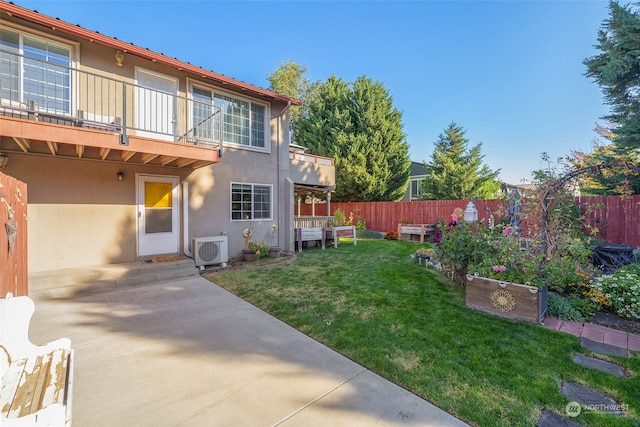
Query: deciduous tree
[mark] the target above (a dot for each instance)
(289, 80)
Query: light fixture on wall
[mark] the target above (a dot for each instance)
(119, 58)
(4, 159)
(120, 176)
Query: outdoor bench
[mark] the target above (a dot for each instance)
(36, 381)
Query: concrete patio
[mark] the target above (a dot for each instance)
(186, 352)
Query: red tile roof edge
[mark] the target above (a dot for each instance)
(59, 25)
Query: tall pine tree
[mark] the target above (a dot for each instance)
(358, 126)
(616, 69)
(455, 173)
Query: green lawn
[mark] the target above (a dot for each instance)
(407, 324)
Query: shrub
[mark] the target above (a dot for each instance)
(361, 224)
(456, 249)
(622, 289)
(585, 306)
(569, 269)
(258, 247)
(339, 218)
(563, 308)
(425, 252)
(391, 235)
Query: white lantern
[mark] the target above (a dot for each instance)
(470, 213)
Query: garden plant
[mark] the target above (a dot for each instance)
(410, 325)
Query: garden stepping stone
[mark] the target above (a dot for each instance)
(603, 348)
(593, 399)
(551, 419)
(600, 365)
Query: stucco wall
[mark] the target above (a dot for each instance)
(79, 213)
(210, 193)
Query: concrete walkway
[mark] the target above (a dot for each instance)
(187, 352)
(596, 333)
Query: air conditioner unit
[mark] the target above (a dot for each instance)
(210, 250)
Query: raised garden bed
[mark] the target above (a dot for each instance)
(414, 232)
(509, 300)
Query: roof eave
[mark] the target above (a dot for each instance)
(59, 25)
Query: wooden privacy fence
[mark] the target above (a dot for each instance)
(617, 219)
(13, 236)
(385, 216)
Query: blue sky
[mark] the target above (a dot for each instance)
(511, 73)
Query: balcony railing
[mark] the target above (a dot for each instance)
(44, 91)
(312, 221)
(311, 158)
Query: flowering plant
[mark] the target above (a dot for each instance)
(455, 246)
(258, 247)
(620, 290)
(391, 235)
(499, 255)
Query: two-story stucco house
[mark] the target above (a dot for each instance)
(128, 153)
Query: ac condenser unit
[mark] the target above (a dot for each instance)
(210, 250)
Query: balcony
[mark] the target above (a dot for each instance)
(48, 109)
(311, 173)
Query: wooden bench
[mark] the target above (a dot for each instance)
(36, 386)
(420, 230)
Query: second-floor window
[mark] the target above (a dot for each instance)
(243, 121)
(250, 201)
(416, 188)
(37, 70)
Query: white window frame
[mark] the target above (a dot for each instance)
(253, 202)
(72, 47)
(418, 179)
(252, 102)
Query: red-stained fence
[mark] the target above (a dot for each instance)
(13, 236)
(617, 219)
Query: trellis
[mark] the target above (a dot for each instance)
(558, 185)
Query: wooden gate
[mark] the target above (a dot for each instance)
(13, 236)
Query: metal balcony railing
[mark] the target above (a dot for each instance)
(40, 90)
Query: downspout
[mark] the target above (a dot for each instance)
(185, 219)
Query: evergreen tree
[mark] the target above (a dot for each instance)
(455, 173)
(358, 126)
(616, 69)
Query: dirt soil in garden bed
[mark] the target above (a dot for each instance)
(612, 320)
